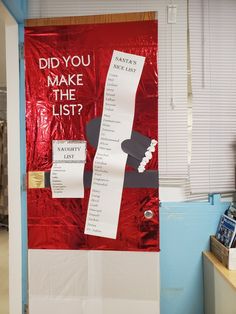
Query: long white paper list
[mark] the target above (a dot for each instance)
(109, 163)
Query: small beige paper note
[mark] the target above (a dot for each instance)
(36, 179)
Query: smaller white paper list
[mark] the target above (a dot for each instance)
(68, 169)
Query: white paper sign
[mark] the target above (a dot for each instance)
(68, 169)
(69, 151)
(109, 163)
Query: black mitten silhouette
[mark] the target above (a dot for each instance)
(139, 148)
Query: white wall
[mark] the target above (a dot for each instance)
(14, 191)
(2, 53)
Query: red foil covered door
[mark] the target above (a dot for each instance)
(78, 57)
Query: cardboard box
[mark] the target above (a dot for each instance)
(226, 256)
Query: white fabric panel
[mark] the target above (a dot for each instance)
(213, 65)
(88, 282)
(172, 68)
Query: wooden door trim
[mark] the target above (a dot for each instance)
(92, 19)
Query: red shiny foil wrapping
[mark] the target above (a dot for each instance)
(59, 223)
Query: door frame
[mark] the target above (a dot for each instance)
(14, 162)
